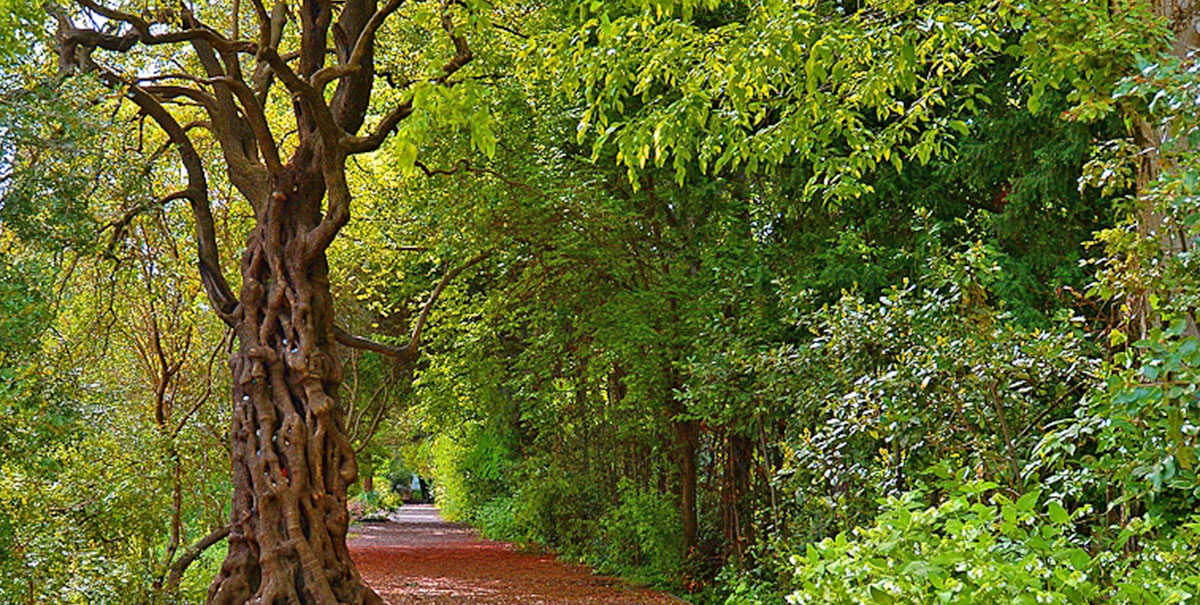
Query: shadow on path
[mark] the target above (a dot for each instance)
(417, 557)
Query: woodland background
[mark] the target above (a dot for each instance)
(821, 300)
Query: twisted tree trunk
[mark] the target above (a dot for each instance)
(292, 461)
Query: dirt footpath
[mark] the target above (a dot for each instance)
(420, 558)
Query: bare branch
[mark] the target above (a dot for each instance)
(462, 56)
(203, 398)
(512, 30)
(414, 340)
(119, 224)
(192, 553)
(462, 52)
(365, 439)
(410, 350)
(463, 164)
(365, 42)
(141, 33)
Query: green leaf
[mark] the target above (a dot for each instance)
(1079, 558)
(1117, 338)
(1028, 501)
(406, 156)
(1058, 514)
(879, 596)
(1035, 100)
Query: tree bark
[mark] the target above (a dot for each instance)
(688, 434)
(1181, 17)
(292, 461)
(739, 462)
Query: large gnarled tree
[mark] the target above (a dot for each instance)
(292, 462)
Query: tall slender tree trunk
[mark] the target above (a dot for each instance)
(739, 462)
(292, 461)
(1182, 18)
(688, 435)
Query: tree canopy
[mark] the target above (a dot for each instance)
(806, 301)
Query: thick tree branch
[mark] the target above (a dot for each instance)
(309, 96)
(258, 121)
(163, 92)
(74, 54)
(315, 18)
(236, 138)
(337, 197)
(347, 339)
(192, 553)
(383, 130)
(219, 292)
(141, 33)
(271, 35)
(264, 23)
(362, 46)
(462, 56)
(250, 108)
(410, 350)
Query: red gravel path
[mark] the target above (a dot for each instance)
(419, 558)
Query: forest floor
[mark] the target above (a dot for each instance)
(417, 557)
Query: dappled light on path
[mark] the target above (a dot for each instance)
(417, 557)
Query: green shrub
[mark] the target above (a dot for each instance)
(976, 549)
(640, 537)
(890, 387)
(471, 468)
(454, 495)
(1166, 570)
(556, 512)
(964, 550)
(496, 521)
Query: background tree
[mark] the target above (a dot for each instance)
(292, 461)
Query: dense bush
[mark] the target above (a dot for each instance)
(888, 388)
(639, 538)
(978, 546)
(497, 521)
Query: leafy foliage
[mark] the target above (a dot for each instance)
(973, 548)
(817, 301)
